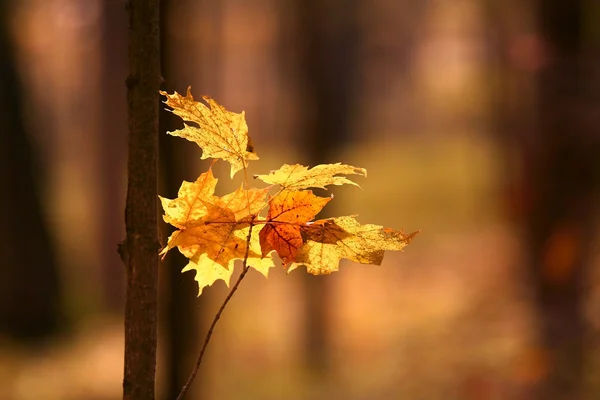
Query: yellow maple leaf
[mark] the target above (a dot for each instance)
(296, 177)
(214, 225)
(217, 234)
(209, 271)
(244, 202)
(188, 205)
(213, 231)
(288, 211)
(330, 240)
(220, 133)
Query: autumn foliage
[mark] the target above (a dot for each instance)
(251, 223)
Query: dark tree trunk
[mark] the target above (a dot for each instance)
(180, 306)
(30, 294)
(140, 248)
(562, 176)
(328, 76)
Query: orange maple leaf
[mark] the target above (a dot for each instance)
(288, 212)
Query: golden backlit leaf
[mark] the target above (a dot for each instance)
(245, 202)
(189, 211)
(330, 240)
(217, 234)
(221, 231)
(288, 211)
(296, 177)
(213, 231)
(209, 271)
(188, 205)
(220, 133)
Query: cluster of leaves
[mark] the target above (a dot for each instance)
(213, 231)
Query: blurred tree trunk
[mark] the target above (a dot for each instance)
(179, 292)
(30, 292)
(328, 76)
(562, 174)
(554, 194)
(187, 60)
(180, 305)
(113, 142)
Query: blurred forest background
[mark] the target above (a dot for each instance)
(479, 124)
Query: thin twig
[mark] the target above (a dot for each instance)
(245, 268)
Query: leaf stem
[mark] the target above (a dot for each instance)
(245, 268)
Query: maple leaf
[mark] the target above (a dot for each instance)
(288, 211)
(214, 225)
(217, 234)
(330, 240)
(220, 133)
(209, 271)
(245, 202)
(296, 177)
(213, 231)
(188, 205)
